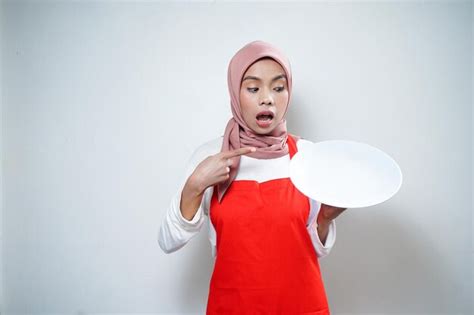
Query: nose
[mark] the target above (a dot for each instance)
(266, 99)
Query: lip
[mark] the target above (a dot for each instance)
(266, 112)
(265, 124)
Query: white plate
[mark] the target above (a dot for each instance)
(345, 174)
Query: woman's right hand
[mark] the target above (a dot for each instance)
(215, 169)
(212, 170)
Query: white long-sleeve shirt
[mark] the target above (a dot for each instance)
(176, 231)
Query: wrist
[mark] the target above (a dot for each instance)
(324, 223)
(194, 186)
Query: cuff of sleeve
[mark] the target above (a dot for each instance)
(192, 224)
(323, 250)
(331, 238)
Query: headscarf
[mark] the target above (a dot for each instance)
(237, 134)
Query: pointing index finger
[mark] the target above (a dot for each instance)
(240, 151)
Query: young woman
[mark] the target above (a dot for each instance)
(266, 235)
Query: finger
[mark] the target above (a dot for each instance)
(240, 151)
(227, 169)
(221, 179)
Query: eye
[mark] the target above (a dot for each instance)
(279, 88)
(252, 90)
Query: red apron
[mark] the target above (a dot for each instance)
(266, 262)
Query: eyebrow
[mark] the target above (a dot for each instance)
(251, 77)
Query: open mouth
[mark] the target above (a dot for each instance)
(265, 116)
(264, 119)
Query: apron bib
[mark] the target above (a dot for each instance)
(266, 262)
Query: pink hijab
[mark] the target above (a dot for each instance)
(237, 134)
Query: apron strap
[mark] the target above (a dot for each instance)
(292, 145)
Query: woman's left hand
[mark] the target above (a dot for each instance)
(328, 213)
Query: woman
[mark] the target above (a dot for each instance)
(265, 234)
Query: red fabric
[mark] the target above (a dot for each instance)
(266, 262)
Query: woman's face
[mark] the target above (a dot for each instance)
(263, 95)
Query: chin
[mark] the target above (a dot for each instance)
(265, 131)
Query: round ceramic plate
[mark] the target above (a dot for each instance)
(345, 174)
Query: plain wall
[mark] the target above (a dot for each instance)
(1, 159)
(103, 103)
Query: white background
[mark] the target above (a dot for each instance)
(103, 103)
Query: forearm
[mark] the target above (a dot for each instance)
(191, 197)
(323, 229)
(176, 230)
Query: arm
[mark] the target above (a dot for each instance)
(191, 198)
(323, 227)
(176, 230)
(323, 230)
(185, 214)
(322, 233)
(327, 214)
(184, 217)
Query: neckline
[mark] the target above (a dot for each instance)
(251, 183)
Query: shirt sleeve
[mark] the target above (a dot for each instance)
(175, 230)
(321, 249)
